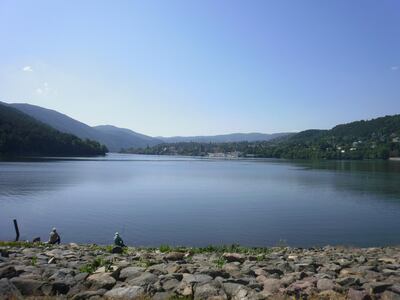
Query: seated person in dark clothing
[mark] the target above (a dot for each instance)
(118, 240)
(54, 237)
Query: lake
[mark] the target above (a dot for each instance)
(154, 200)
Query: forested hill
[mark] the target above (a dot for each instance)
(21, 134)
(373, 139)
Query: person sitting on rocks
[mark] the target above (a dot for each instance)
(118, 240)
(54, 237)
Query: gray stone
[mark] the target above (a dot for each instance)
(8, 272)
(125, 293)
(232, 257)
(89, 294)
(173, 256)
(354, 294)
(209, 291)
(28, 287)
(325, 284)
(131, 272)
(143, 279)
(389, 295)
(196, 278)
(236, 291)
(101, 281)
(8, 291)
(170, 284)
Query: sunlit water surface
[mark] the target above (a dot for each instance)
(153, 200)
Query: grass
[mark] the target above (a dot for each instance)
(22, 244)
(259, 252)
(95, 264)
(220, 262)
(34, 261)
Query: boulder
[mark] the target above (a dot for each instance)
(8, 291)
(125, 293)
(354, 294)
(271, 285)
(325, 284)
(196, 278)
(174, 256)
(232, 257)
(28, 287)
(143, 279)
(130, 273)
(101, 281)
(389, 295)
(117, 250)
(210, 290)
(8, 272)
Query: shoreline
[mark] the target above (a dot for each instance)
(72, 271)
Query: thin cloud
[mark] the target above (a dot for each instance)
(27, 69)
(43, 90)
(395, 68)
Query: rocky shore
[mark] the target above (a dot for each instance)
(39, 271)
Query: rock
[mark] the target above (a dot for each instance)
(113, 271)
(209, 291)
(4, 253)
(131, 272)
(347, 281)
(329, 295)
(27, 287)
(117, 250)
(8, 291)
(173, 256)
(143, 279)
(8, 272)
(232, 257)
(89, 294)
(55, 288)
(170, 284)
(389, 295)
(163, 296)
(354, 294)
(196, 278)
(36, 239)
(387, 260)
(101, 281)
(378, 287)
(395, 288)
(125, 293)
(236, 291)
(325, 285)
(184, 289)
(271, 285)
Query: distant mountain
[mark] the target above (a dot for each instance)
(113, 137)
(225, 138)
(20, 134)
(125, 138)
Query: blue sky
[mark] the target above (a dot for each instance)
(204, 67)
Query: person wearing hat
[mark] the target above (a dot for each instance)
(118, 240)
(54, 237)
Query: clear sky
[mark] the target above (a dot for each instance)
(203, 67)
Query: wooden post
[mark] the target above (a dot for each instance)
(16, 230)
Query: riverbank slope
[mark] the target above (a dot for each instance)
(93, 272)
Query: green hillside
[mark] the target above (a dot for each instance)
(20, 134)
(374, 139)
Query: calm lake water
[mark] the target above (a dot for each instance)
(154, 200)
